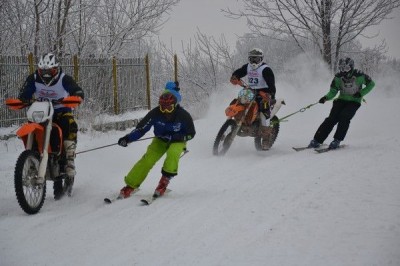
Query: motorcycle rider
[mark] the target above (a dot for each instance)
(50, 82)
(261, 78)
(352, 85)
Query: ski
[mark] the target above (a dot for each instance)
(118, 197)
(326, 149)
(149, 200)
(307, 148)
(301, 148)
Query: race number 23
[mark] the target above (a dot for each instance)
(253, 80)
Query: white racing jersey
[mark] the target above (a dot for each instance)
(53, 92)
(255, 78)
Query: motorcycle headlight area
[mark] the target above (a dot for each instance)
(38, 116)
(246, 96)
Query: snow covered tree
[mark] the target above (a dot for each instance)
(84, 27)
(327, 24)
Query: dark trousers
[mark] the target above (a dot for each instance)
(341, 114)
(68, 125)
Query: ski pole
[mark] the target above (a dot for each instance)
(105, 146)
(184, 152)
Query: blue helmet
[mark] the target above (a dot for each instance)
(173, 87)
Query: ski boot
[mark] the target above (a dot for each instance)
(334, 144)
(162, 186)
(126, 192)
(314, 144)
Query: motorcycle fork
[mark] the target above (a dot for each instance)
(45, 152)
(241, 121)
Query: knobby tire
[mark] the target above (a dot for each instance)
(30, 198)
(223, 141)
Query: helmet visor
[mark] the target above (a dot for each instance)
(167, 108)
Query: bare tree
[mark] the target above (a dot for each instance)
(327, 24)
(15, 18)
(111, 27)
(118, 23)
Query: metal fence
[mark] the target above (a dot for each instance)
(111, 86)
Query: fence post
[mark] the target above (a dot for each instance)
(115, 85)
(76, 68)
(176, 67)
(30, 62)
(146, 59)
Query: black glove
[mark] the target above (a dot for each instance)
(357, 94)
(123, 141)
(178, 137)
(322, 100)
(26, 101)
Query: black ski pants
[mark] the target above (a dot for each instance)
(341, 114)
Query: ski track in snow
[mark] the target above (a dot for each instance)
(279, 207)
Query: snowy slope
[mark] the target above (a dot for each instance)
(279, 207)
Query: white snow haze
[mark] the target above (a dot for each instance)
(189, 16)
(278, 207)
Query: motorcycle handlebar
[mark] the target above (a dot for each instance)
(70, 101)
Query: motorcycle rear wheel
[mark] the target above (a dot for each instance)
(274, 134)
(30, 193)
(224, 139)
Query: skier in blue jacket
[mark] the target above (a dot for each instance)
(173, 127)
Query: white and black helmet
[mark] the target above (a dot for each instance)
(48, 67)
(256, 56)
(346, 65)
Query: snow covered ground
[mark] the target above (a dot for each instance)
(279, 207)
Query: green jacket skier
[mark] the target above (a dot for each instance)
(352, 85)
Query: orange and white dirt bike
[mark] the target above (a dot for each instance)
(245, 120)
(44, 157)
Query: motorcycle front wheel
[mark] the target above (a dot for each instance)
(30, 192)
(224, 138)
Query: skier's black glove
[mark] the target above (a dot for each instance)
(123, 141)
(322, 100)
(357, 94)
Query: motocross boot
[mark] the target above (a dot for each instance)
(70, 147)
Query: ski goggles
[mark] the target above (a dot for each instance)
(255, 59)
(167, 109)
(344, 68)
(49, 72)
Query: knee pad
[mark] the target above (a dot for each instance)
(68, 126)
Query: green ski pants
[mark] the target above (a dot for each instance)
(155, 151)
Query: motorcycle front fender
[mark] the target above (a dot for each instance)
(32, 128)
(28, 128)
